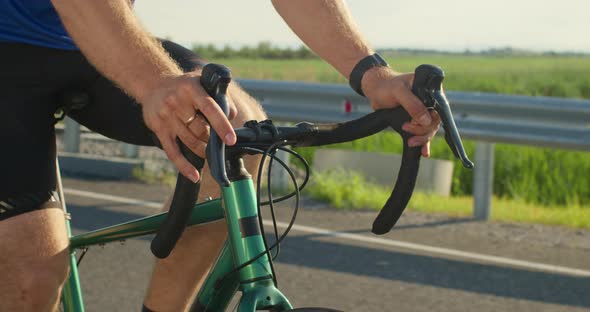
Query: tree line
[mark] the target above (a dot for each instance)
(264, 50)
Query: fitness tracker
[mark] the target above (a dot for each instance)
(361, 67)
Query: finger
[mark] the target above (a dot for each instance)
(435, 118)
(186, 136)
(204, 137)
(180, 106)
(201, 149)
(217, 120)
(173, 153)
(418, 140)
(415, 128)
(414, 106)
(200, 128)
(211, 110)
(426, 149)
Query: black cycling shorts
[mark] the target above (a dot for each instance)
(31, 81)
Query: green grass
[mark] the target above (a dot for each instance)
(349, 190)
(162, 177)
(564, 76)
(543, 176)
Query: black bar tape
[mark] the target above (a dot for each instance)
(183, 200)
(366, 126)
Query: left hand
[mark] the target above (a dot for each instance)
(387, 89)
(169, 110)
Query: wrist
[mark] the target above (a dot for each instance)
(155, 70)
(373, 78)
(364, 65)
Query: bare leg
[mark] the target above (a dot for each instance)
(34, 249)
(177, 279)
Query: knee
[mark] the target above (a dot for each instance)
(248, 107)
(39, 287)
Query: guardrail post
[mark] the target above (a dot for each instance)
(280, 178)
(483, 178)
(130, 150)
(71, 136)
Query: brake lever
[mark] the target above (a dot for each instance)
(215, 79)
(428, 88)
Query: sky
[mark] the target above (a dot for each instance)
(453, 25)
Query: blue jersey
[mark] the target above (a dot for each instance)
(34, 22)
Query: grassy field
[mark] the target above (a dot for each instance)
(526, 75)
(350, 190)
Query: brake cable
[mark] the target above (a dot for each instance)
(296, 193)
(269, 151)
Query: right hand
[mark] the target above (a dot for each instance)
(167, 109)
(388, 89)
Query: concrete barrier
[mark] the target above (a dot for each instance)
(97, 166)
(435, 175)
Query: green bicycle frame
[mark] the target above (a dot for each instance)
(245, 242)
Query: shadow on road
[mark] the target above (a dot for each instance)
(89, 217)
(438, 272)
(487, 279)
(432, 224)
(404, 226)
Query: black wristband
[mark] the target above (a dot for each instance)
(368, 62)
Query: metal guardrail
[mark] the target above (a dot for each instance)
(484, 117)
(537, 121)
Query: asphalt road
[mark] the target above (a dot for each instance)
(428, 263)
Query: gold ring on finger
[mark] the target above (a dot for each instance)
(191, 119)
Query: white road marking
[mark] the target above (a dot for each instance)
(367, 239)
(113, 198)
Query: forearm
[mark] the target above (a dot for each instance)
(112, 39)
(327, 27)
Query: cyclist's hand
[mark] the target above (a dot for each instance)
(170, 112)
(387, 89)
